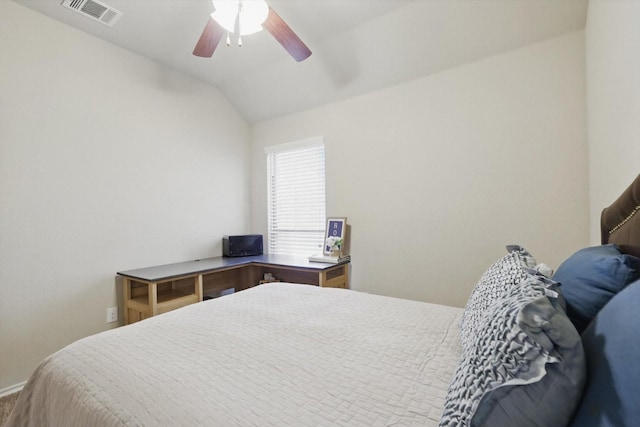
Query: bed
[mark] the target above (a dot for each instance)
(531, 347)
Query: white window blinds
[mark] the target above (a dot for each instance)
(296, 197)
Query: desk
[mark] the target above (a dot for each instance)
(155, 290)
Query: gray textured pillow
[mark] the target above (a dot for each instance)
(524, 366)
(507, 272)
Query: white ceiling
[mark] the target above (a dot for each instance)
(358, 45)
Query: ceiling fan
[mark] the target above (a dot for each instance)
(245, 17)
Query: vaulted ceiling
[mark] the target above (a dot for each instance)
(358, 46)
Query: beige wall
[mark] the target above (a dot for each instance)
(108, 162)
(437, 175)
(613, 101)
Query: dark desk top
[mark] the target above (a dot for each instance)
(164, 272)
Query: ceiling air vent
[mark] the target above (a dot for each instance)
(95, 10)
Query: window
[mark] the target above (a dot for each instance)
(296, 197)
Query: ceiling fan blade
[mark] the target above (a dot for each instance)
(209, 39)
(286, 37)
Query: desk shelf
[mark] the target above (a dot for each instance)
(167, 300)
(144, 299)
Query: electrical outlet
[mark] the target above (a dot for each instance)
(112, 314)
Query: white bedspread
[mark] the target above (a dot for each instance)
(274, 355)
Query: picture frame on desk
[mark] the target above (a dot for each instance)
(336, 229)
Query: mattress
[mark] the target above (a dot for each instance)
(274, 355)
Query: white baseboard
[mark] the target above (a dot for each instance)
(13, 389)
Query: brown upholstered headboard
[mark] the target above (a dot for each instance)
(620, 222)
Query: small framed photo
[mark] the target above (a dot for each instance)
(334, 235)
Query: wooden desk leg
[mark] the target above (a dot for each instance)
(153, 298)
(126, 282)
(198, 286)
(322, 279)
(346, 276)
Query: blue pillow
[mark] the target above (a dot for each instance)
(612, 349)
(523, 355)
(591, 277)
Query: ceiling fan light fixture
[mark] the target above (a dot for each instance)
(247, 17)
(250, 15)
